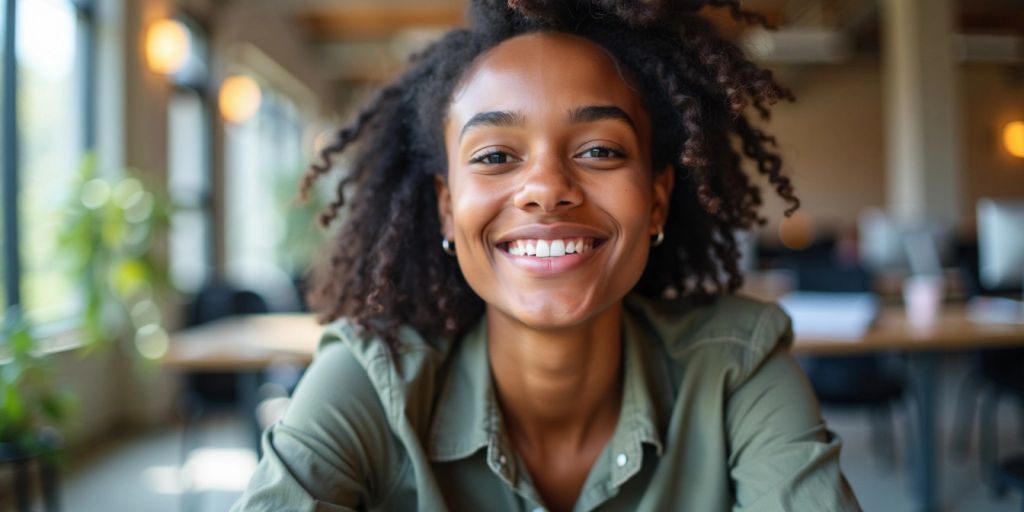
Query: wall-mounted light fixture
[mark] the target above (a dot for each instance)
(168, 45)
(239, 98)
(1013, 138)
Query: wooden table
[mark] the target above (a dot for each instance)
(953, 331)
(245, 346)
(241, 343)
(252, 343)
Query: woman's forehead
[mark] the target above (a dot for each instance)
(544, 73)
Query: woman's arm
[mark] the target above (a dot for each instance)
(782, 457)
(333, 450)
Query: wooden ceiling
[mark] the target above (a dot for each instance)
(343, 29)
(368, 22)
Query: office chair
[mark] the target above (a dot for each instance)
(995, 374)
(875, 382)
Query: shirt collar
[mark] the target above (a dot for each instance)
(467, 417)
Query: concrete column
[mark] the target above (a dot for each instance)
(922, 111)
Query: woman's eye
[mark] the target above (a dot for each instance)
(493, 158)
(600, 152)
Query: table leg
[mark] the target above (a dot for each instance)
(922, 373)
(249, 386)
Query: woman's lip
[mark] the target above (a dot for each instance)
(556, 231)
(550, 265)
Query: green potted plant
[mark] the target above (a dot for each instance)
(32, 407)
(112, 227)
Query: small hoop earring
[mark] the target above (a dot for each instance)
(660, 238)
(448, 246)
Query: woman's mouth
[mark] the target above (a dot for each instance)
(550, 256)
(555, 248)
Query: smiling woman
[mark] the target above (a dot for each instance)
(523, 198)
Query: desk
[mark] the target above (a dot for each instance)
(251, 343)
(244, 343)
(953, 331)
(245, 346)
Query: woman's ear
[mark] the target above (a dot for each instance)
(663, 183)
(444, 206)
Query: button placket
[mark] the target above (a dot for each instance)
(627, 460)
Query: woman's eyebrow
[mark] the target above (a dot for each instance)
(500, 118)
(592, 113)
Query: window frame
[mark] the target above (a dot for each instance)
(197, 81)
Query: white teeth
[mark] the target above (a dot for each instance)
(550, 248)
(557, 248)
(543, 249)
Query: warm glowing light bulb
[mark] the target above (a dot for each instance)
(167, 46)
(797, 232)
(1013, 138)
(240, 98)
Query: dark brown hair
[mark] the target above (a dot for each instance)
(386, 268)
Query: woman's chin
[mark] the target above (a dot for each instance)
(553, 310)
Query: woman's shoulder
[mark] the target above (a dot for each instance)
(401, 375)
(730, 333)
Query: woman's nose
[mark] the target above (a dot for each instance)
(548, 185)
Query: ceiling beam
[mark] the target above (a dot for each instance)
(362, 23)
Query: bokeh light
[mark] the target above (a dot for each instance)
(239, 98)
(167, 46)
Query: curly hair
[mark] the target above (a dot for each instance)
(696, 86)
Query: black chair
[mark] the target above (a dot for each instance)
(995, 374)
(1010, 473)
(875, 382)
(207, 393)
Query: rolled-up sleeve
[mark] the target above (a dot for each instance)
(782, 457)
(332, 451)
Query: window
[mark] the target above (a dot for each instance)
(270, 238)
(45, 86)
(189, 184)
(189, 167)
(50, 107)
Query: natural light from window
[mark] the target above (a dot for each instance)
(49, 122)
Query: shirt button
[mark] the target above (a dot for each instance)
(621, 460)
(502, 460)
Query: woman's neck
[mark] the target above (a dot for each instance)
(560, 391)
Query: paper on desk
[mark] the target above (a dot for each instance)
(830, 316)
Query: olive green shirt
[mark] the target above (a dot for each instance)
(716, 415)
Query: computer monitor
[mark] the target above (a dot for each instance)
(1001, 243)
(888, 244)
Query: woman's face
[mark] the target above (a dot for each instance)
(550, 197)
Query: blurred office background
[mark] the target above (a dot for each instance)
(151, 154)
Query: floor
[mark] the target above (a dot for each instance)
(140, 473)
